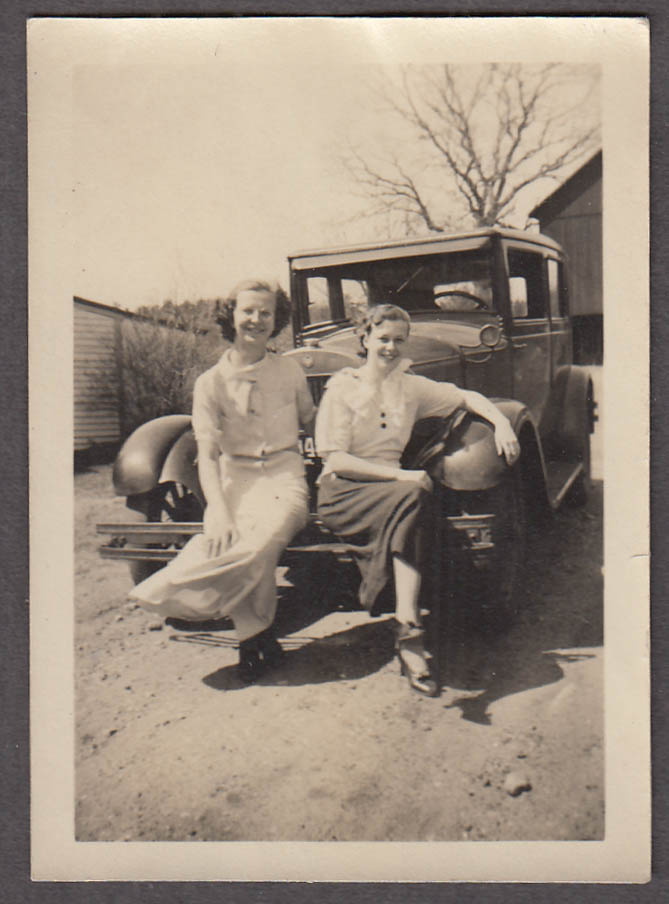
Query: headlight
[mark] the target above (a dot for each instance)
(490, 335)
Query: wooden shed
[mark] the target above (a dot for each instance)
(572, 215)
(97, 396)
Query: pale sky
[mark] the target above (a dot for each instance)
(188, 179)
(190, 174)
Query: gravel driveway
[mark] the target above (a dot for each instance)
(334, 745)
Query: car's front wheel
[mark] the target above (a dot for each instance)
(167, 502)
(486, 572)
(580, 489)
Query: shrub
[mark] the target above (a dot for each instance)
(159, 365)
(162, 352)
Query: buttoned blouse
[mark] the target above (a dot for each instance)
(252, 412)
(375, 423)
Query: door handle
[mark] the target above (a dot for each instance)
(520, 344)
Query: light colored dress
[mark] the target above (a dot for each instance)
(253, 414)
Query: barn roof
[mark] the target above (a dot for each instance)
(102, 308)
(574, 185)
(122, 312)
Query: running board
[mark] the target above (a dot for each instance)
(562, 477)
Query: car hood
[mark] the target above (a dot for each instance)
(429, 340)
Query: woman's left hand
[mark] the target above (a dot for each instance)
(506, 441)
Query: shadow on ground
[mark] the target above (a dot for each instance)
(559, 609)
(343, 656)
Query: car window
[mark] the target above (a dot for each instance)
(356, 298)
(553, 288)
(318, 299)
(526, 285)
(557, 289)
(457, 282)
(463, 295)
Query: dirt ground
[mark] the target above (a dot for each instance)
(333, 745)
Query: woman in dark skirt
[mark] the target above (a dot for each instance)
(364, 422)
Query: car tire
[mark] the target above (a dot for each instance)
(167, 502)
(578, 493)
(487, 592)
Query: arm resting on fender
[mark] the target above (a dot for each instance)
(506, 441)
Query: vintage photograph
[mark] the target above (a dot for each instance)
(337, 455)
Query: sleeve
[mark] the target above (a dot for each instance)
(205, 412)
(436, 399)
(305, 404)
(334, 421)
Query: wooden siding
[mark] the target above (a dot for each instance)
(96, 377)
(572, 215)
(581, 237)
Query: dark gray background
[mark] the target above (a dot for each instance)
(14, 784)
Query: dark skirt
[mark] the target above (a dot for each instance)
(379, 518)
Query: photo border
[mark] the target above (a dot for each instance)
(17, 658)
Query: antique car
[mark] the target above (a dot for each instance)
(489, 312)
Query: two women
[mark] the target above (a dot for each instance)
(364, 422)
(246, 414)
(245, 419)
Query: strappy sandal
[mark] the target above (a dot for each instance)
(410, 637)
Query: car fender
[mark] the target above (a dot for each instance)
(180, 465)
(143, 456)
(461, 454)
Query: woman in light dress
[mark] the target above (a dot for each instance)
(246, 415)
(364, 422)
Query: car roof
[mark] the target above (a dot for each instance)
(429, 244)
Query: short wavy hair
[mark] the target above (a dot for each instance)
(225, 307)
(374, 316)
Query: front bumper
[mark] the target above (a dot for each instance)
(161, 541)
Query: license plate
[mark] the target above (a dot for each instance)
(308, 447)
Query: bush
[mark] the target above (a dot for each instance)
(162, 352)
(159, 365)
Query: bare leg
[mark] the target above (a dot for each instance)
(407, 590)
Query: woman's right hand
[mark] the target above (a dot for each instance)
(220, 532)
(422, 478)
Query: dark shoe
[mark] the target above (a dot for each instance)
(250, 666)
(410, 638)
(269, 647)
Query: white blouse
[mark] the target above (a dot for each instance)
(252, 412)
(375, 423)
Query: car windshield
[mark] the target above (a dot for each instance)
(459, 282)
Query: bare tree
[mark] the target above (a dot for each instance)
(475, 138)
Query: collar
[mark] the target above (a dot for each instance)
(390, 392)
(239, 381)
(402, 367)
(230, 371)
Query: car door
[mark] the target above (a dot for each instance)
(530, 328)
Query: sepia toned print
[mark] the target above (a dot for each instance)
(475, 196)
